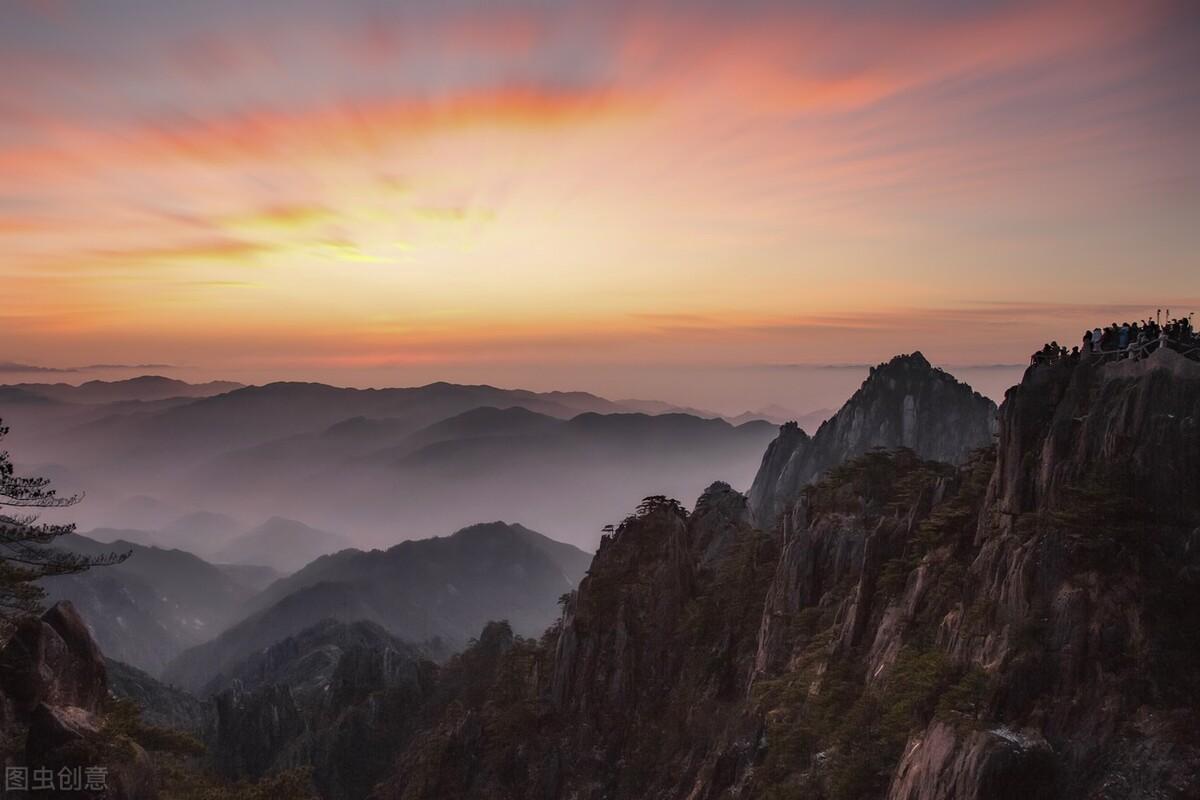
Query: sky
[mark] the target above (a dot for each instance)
(704, 202)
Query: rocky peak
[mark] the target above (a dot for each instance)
(720, 513)
(339, 697)
(1021, 624)
(53, 687)
(785, 468)
(1130, 424)
(1080, 595)
(905, 402)
(624, 611)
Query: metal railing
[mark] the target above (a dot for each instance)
(1190, 349)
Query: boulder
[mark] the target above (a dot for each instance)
(53, 660)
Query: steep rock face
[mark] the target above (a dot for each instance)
(1133, 422)
(839, 534)
(721, 514)
(1023, 624)
(786, 467)
(978, 765)
(53, 660)
(53, 687)
(636, 693)
(1029, 614)
(603, 642)
(905, 402)
(1087, 574)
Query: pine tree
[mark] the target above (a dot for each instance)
(26, 551)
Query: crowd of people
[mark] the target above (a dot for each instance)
(1127, 340)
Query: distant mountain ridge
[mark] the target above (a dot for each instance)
(151, 455)
(498, 462)
(143, 388)
(148, 609)
(445, 587)
(282, 544)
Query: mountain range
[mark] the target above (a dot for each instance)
(928, 597)
(439, 590)
(152, 606)
(389, 463)
(1019, 625)
(280, 544)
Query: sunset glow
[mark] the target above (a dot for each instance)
(342, 189)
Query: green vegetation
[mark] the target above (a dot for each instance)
(887, 481)
(853, 735)
(177, 761)
(966, 699)
(949, 524)
(182, 782)
(734, 598)
(830, 732)
(648, 506)
(1103, 520)
(123, 724)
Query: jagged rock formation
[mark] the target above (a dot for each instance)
(1020, 625)
(341, 698)
(1085, 581)
(53, 686)
(903, 403)
(625, 697)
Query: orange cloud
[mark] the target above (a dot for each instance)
(616, 180)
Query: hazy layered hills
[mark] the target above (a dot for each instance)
(369, 464)
(145, 388)
(571, 476)
(282, 544)
(147, 609)
(444, 588)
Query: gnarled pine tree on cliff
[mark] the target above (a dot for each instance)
(25, 552)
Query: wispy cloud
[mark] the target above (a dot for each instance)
(813, 182)
(11, 366)
(15, 367)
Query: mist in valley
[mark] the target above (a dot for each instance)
(362, 468)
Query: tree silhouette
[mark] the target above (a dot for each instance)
(26, 554)
(656, 501)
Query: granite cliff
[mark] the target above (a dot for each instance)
(923, 621)
(904, 607)
(53, 712)
(904, 402)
